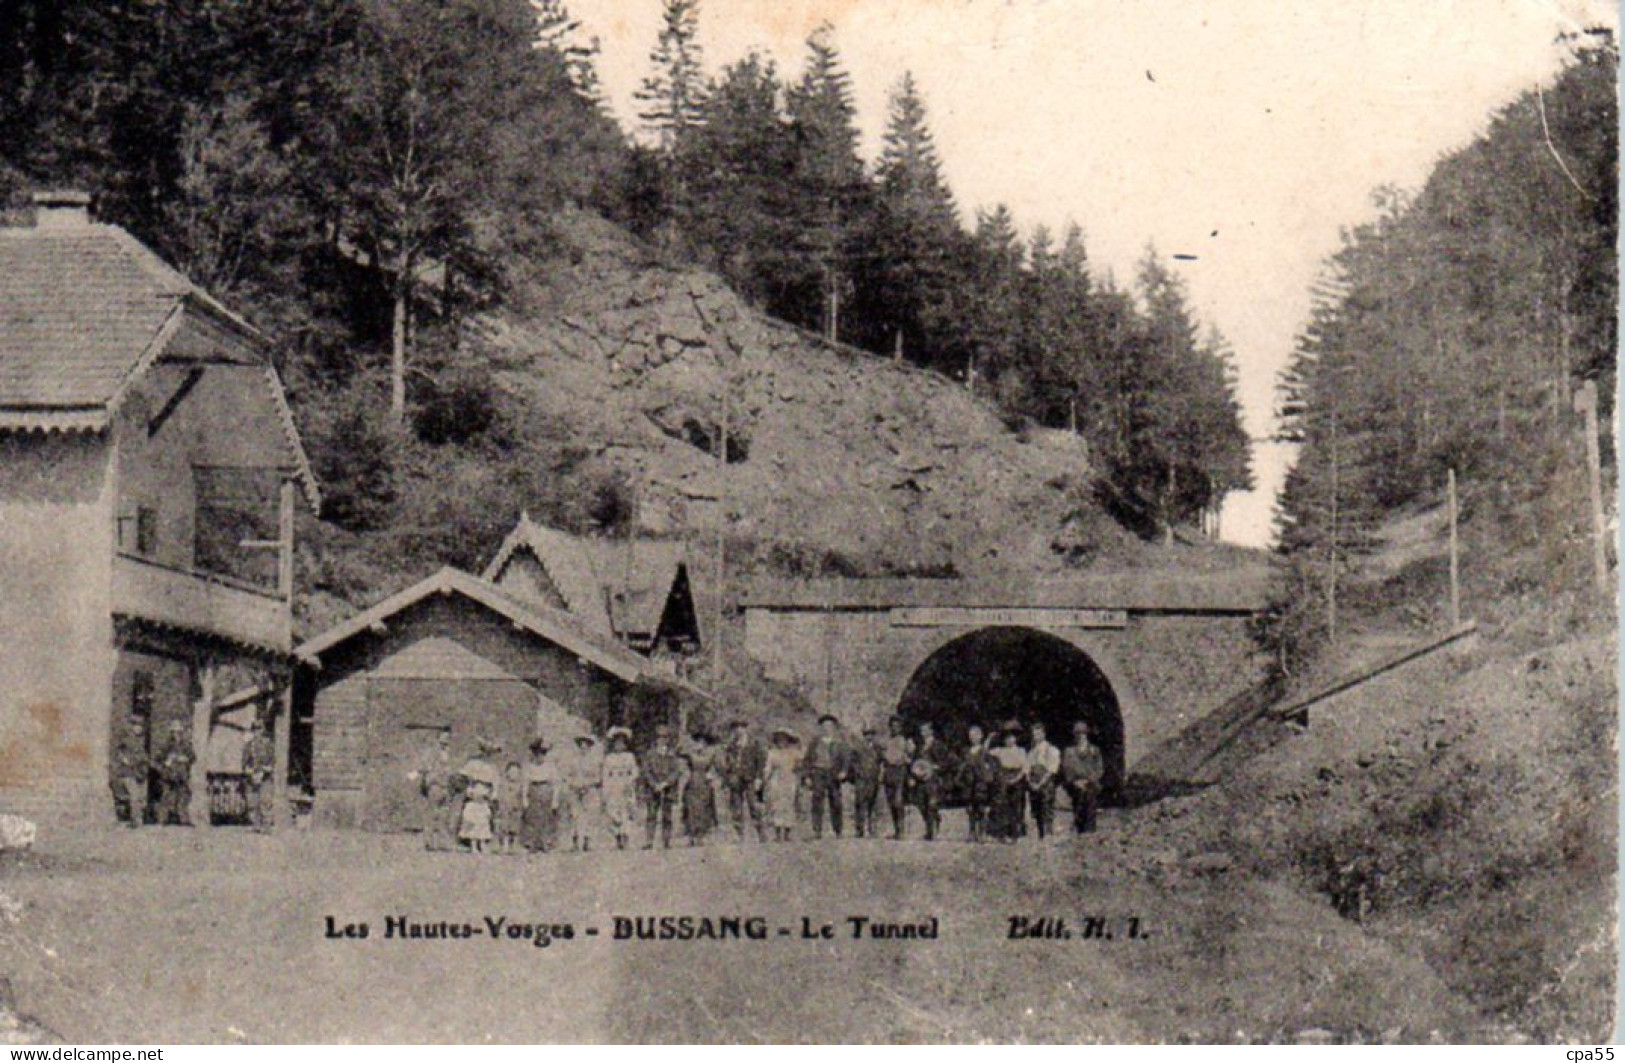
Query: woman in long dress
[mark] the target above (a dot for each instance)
(779, 783)
(620, 782)
(538, 829)
(700, 791)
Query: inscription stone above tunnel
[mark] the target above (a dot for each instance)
(1140, 655)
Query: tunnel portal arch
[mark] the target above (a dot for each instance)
(994, 674)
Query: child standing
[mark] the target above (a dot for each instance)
(475, 828)
(510, 812)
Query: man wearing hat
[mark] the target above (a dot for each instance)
(175, 777)
(1082, 769)
(434, 779)
(895, 754)
(741, 765)
(825, 768)
(978, 775)
(1043, 766)
(130, 772)
(658, 775)
(864, 764)
(259, 762)
(925, 778)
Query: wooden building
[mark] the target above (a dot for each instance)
(638, 590)
(459, 655)
(149, 472)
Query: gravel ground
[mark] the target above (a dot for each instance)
(175, 936)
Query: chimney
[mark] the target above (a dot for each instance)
(59, 209)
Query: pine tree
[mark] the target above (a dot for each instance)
(559, 33)
(673, 94)
(738, 212)
(918, 253)
(829, 174)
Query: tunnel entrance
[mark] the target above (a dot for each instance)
(1002, 673)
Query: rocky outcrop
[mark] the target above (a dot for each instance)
(835, 459)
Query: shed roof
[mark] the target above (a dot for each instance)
(85, 311)
(1243, 591)
(554, 625)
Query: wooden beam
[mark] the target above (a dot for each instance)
(281, 737)
(202, 723)
(174, 401)
(285, 519)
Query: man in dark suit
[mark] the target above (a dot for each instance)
(865, 767)
(659, 771)
(1082, 769)
(741, 764)
(825, 769)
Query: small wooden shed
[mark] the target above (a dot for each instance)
(456, 654)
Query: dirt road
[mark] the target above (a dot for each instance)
(170, 936)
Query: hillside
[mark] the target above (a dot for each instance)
(610, 373)
(1463, 808)
(836, 459)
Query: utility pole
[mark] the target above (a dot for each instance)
(722, 530)
(1585, 403)
(1455, 556)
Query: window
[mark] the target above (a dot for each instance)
(138, 531)
(146, 531)
(141, 696)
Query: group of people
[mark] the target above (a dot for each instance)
(584, 796)
(157, 787)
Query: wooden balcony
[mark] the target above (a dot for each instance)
(201, 603)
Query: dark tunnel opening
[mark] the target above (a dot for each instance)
(998, 674)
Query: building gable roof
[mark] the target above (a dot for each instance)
(618, 585)
(567, 562)
(85, 312)
(553, 625)
(641, 576)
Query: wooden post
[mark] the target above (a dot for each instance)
(722, 530)
(1455, 557)
(897, 347)
(281, 738)
(1585, 402)
(197, 811)
(284, 566)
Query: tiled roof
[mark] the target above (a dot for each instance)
(640, 575)
(79, 307)
(77, 311)
(85, 310)
(634, 577)
(553, 625)
(567, 562)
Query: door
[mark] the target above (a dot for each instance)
(405, 718)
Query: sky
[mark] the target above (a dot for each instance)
(1247, 133)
